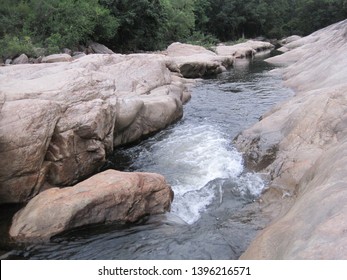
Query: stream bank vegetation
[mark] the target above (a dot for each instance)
(36, 26)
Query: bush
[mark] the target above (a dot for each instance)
(54, 43)
(12, 46)
(206, 40)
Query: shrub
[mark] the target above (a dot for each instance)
(12, 46)
(206, 40)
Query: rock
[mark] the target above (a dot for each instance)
(196, 61)
(77, 55)
(108, 197)
(290, 43)
(8, 61)
(26, 129)
(314, 226)
(67, 51)
(290, 39)
(22, 59)
(56, 58)
(73, 115)
(242, 50)
(301, 145)
(35, 60)
(99, 48)
(83, 137)
(178, 49)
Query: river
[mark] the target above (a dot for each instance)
(211, 217)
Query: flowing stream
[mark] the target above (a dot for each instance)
(210, 217)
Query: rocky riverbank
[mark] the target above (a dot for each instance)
(61, 120)
(301, 145)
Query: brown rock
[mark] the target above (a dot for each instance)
(26, 131)
(61, 120)
(108, 197)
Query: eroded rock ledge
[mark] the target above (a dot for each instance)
(302, 145)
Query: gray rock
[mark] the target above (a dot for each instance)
(77, 55)
(99, 48)
(22, 59)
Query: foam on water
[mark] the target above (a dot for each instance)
(190, 157)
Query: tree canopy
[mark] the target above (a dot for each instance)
(133, 25)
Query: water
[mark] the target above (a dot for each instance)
(211, 216)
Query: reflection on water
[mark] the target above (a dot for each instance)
(211, 217)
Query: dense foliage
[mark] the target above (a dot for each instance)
(128, 25)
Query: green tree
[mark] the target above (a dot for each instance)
(129, 25)
(180, 20)
(313, 15)
(139, 23)
(201, 11)
(53, 24)
(67, 23)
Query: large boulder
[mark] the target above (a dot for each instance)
(108, 197)
(22, 59)
(60, 121)
(301, 145)
(196, 61)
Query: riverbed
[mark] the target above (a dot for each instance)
(211, 217)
